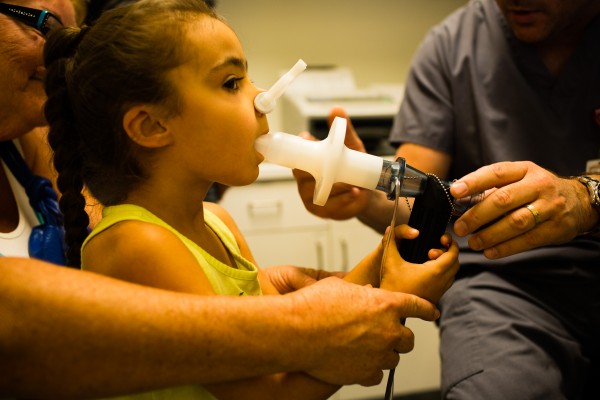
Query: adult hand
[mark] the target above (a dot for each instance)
(345, 201)
(357, 328)
(559, 208)
(288, 278)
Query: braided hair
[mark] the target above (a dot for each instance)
(94, 75)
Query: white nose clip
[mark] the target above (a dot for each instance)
(328, 161)
(265, 102)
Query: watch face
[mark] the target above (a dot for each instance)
(593, 187)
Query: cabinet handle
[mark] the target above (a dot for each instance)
(345, 257)
(265, 208)
(320, 257)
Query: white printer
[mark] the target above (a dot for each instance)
(308, 101)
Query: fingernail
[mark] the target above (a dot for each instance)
(476, 243)
(492, 253)
(459, 189)
(460, 228)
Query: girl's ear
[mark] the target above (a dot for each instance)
(145, 127)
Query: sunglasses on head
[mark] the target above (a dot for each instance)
(41, 20)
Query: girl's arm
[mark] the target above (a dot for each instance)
(368, 270)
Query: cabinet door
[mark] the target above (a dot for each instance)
(270, 207)
(307, 248)
(351, 241)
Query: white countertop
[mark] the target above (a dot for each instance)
(273, 172)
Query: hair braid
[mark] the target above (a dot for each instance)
(65, 141)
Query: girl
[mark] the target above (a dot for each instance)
(147, 109)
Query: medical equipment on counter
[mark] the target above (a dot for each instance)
(307, 103)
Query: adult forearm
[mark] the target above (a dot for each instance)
(70, 333)
(67, 333)
(378, 213)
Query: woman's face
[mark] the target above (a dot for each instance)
(22, 72)
(218, 125)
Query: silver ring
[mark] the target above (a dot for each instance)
(534, 211)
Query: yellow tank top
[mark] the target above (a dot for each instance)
(224, 279)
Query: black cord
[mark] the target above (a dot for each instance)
(389, 387)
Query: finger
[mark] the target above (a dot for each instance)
(491, 209)
(404, 231)
(376, 377)
(351, 140)
(337, 112)
(406, 342)
(308, 136)
(302, 176)
(342, 205)
(451, 254)
(542, 235)
(411, 306)
(488, 177)
(446, 240)
(433, 254)
(511, 226)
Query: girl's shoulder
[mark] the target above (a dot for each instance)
(145, 253)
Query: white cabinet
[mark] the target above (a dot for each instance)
(280, 231)
(277, 234)
(351, 242)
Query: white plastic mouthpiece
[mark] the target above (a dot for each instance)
(265, 102)
(328, 161)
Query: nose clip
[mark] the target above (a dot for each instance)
(265, 102)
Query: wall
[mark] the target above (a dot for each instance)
(375, 38)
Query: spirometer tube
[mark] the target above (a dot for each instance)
(330, 161)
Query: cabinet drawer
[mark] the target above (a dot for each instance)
(307, 248)
(267, 206)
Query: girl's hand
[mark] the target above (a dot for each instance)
(429, 280)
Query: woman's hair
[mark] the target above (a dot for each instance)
(94, 75)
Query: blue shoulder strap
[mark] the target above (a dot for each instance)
(47, 240)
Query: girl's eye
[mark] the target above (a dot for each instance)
(233, 83)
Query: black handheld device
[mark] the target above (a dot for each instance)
(430, 215)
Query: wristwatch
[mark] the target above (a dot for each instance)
(593, 187)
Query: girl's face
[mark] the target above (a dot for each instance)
(218, 125)
(22, 70)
